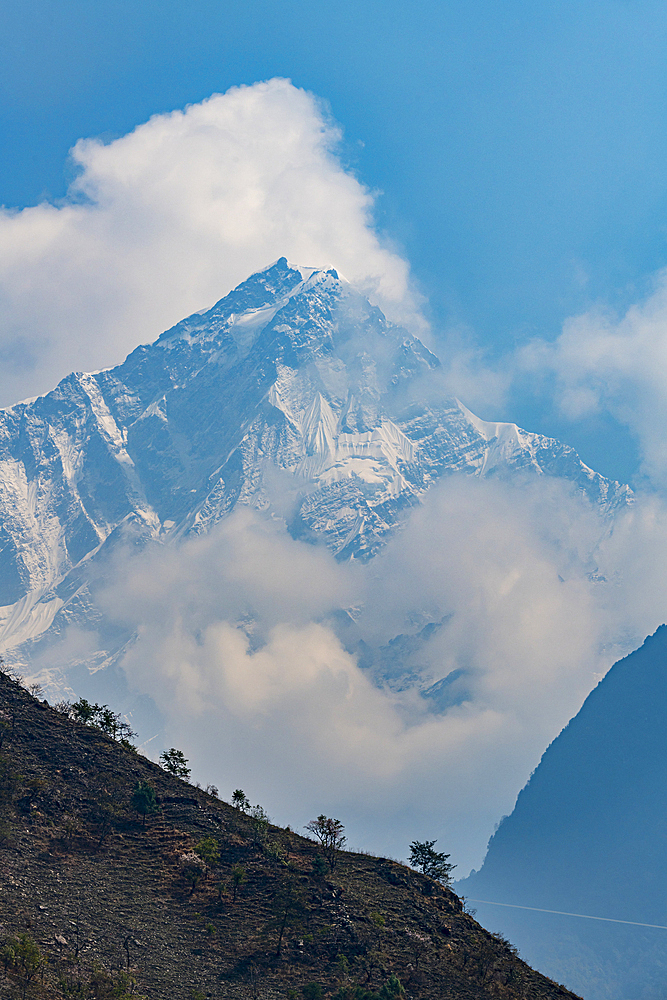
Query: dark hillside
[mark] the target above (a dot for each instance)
(113, 907)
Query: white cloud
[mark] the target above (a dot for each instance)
(615, 364)
(238, 646)
(164, 221)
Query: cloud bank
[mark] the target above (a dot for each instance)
(241, 645)
(166, 220)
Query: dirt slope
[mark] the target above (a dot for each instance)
(111, 907)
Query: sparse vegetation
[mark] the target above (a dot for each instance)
(108, 806)
(259, 825)
(208, 899)
(288, 908)
(391, 990)
(102, 986)
(10, 780)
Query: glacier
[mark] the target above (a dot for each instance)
(292, 394)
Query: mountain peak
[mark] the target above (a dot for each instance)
(283, 265)
(294, 370)
(250, 306)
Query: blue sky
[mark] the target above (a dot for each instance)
(501, 179)
(520, 148)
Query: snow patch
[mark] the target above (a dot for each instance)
(26, 619)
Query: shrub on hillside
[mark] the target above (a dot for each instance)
(391, 990)
(193, 868)
(208, 849)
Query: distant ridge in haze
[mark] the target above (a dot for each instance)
(588, 835)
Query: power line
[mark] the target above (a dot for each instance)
(563, 913)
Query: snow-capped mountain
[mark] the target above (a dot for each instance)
(292, 393)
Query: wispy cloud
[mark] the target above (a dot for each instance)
(618, 364)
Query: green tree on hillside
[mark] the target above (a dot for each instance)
(331, 835)
(313, 991)
(240, 800)
(430, 862)
(143, 800)
(208, 850)
(287, 908)
(99, 717)
(238, 879)
(22, 956)
(175, 762)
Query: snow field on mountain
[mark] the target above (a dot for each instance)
(272, 536)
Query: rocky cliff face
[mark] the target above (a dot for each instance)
(292, 394)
